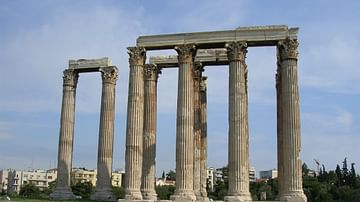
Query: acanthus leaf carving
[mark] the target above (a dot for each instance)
(109, 74)
(151, 72)
(70, 77)
(186, 52)
(236, 50)
(288, 49)
(137, 55)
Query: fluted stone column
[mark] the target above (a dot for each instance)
(197, 130)
(203, 140)
(149, 140)
(103, 191)
(65, 148)
(185, 126)
(279, 134)
(290, 125)
(134, 126)
(238, 124)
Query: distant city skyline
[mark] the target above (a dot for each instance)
(38, 39)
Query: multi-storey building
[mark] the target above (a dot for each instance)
(210, 178)
(39, 178)
(252, 174)
(84, 175)
(268, 174)
(3, 180)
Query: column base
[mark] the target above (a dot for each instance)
(183, 196)
(240, 198)
(133, 195)
(62, 193)
(103, 195)
(202, 199)
(129, 200)
(149, 195)
(294, 196)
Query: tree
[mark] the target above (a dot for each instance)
(171, 175)
(163, 175)
(83, 189)
(345, 173)
(164, 192)
(352, 176)
(118, 192)
(30, 191)
(305, 169)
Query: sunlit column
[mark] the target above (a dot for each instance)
(135, 123)
(185, 126)
(103, 191)
(65, 148)
(238, 124)
(290, 122)
(149, 140)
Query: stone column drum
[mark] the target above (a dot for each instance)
(135, 123)
(238, 125)
(65, 148)
(203, 139)
(290, 125)
(197, 130)
(103, 191)
(279, 128)
(149, 140)
(185, 126)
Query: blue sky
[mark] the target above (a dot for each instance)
(39, 37)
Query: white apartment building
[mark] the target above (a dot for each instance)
(269, 174)
(85, 175)
(3, 180)
(39, 178)
(210, 178)
(252, 174)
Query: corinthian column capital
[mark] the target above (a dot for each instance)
(288, 49)
(151, 72)
(109, 74)
(236, 50)
(70, 77)
(186, 52)
(137, 55)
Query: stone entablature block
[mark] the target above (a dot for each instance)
(84, 64)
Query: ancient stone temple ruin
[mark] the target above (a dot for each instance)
(195, 51)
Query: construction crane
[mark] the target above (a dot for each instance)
(317, 161)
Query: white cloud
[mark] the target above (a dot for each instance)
(331, 65)
(36, 58)
(331, 121)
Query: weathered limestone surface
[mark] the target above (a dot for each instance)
(197, 129)
(89, 64)
(206, 57)
(135, 123)
(238, 125)
(290, 125)
(149, 139)
(280, 158)
(203, 140)
(185, 126)
(254, 36)
(62, 190)
(103, 191)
